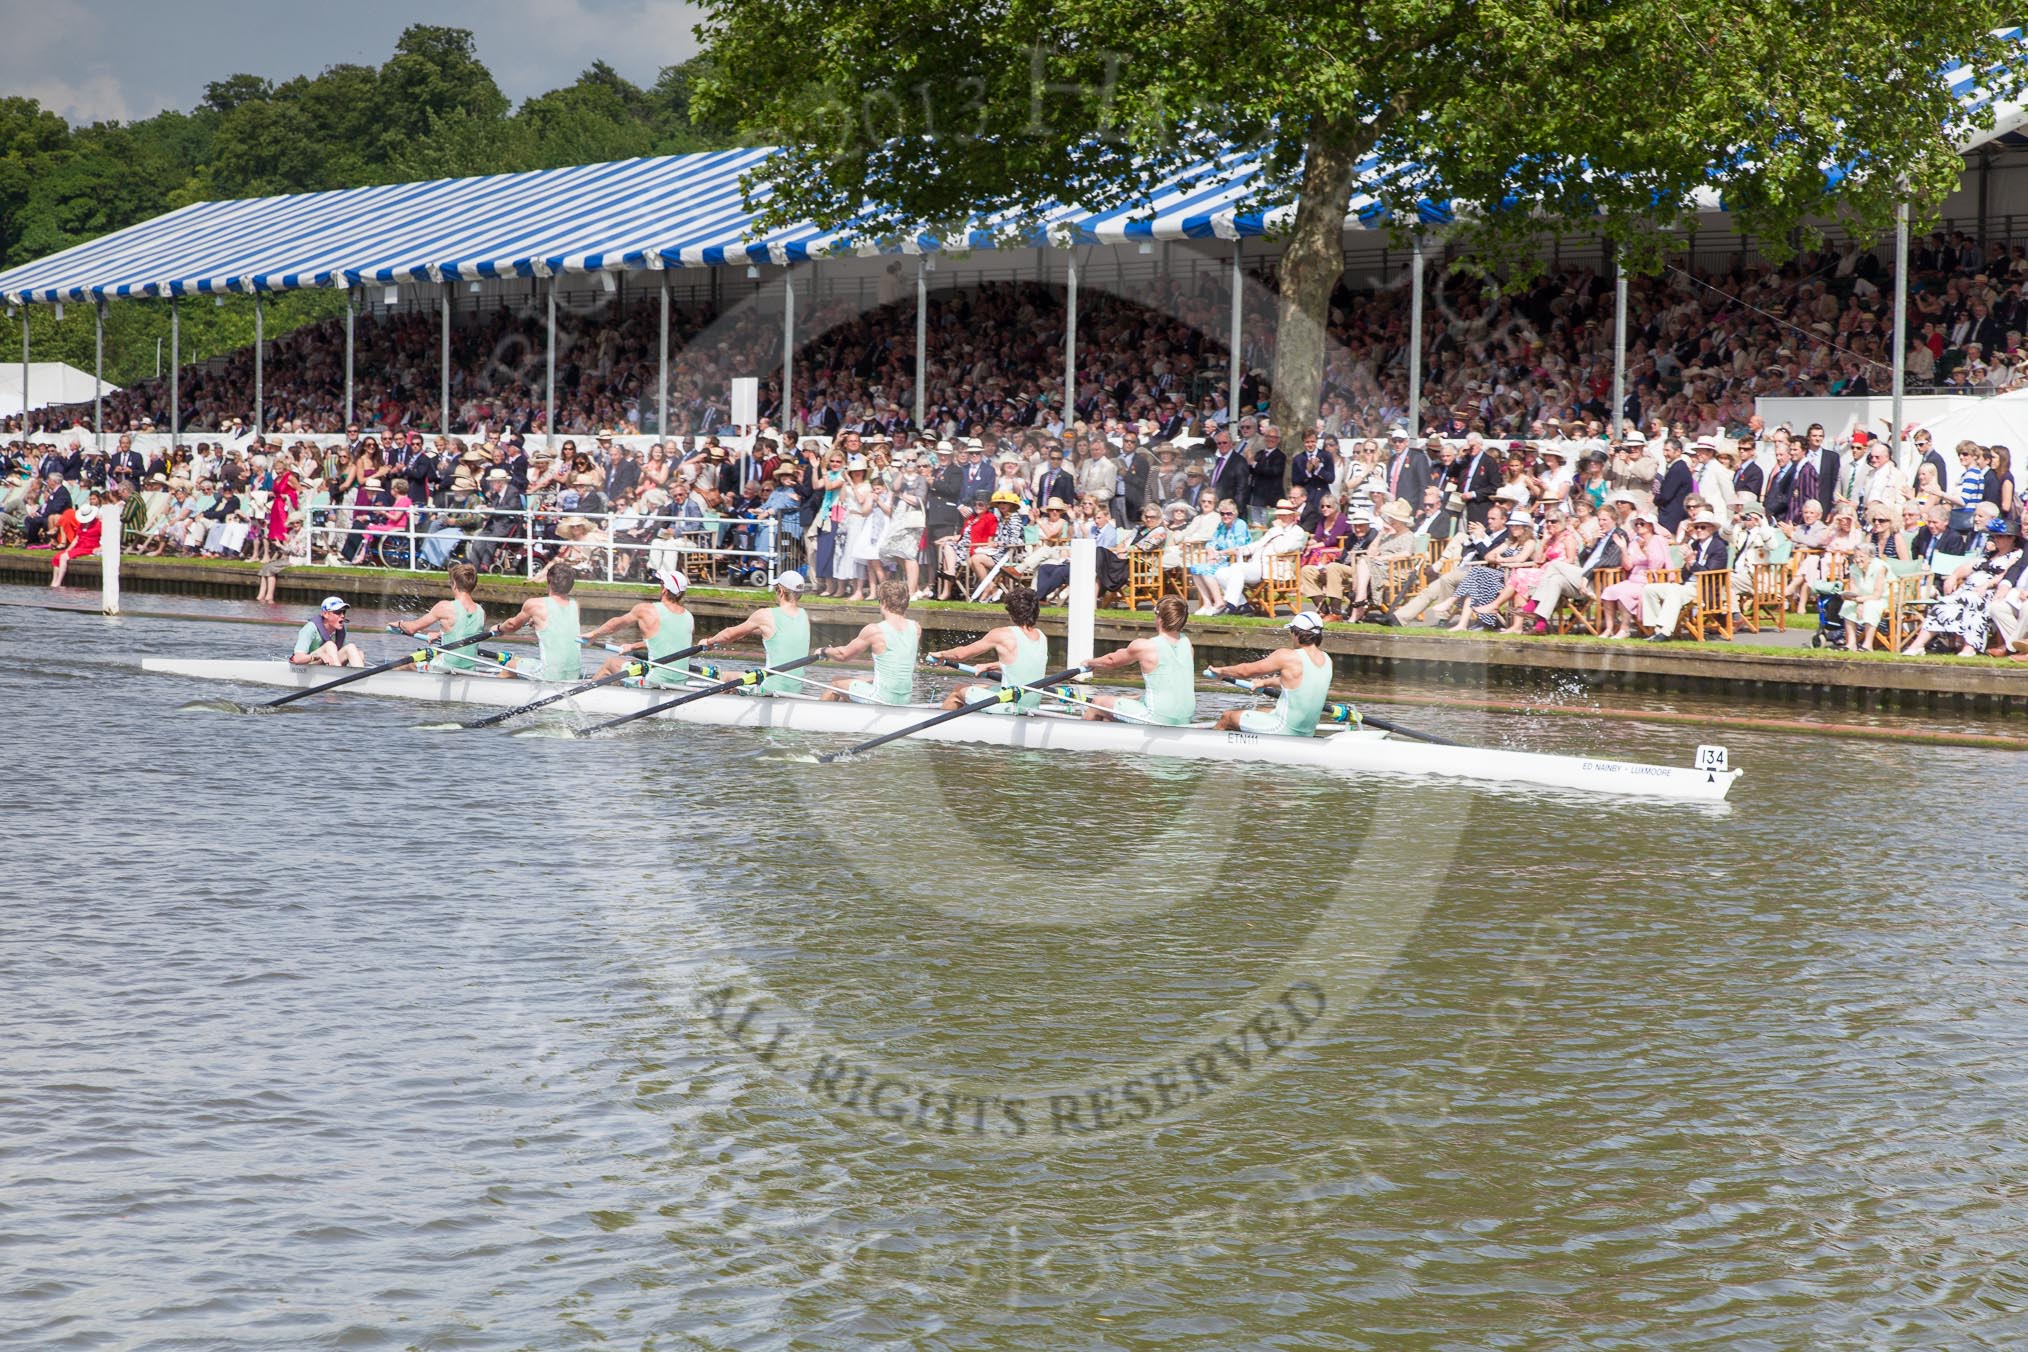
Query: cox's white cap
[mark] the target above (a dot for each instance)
(334, 603)
(672, 581)
(791, 581)
(1306, 623)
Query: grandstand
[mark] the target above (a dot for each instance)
(602, 260)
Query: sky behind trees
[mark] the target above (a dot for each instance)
(92, 60)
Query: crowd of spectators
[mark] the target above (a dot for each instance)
(1501, 533)
(1524, 361)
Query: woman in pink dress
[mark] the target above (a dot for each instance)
(1563, 543)
(282, 500)
(1650, 554)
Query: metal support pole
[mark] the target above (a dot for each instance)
(1414, 419)
(444, 362)
(99, 375)
(1900, 354)
(260, 332)
(350, 307)
(109, 557)
(1070, 340)
(788, 351)
(921, 341)
(1619, 405)
(1232, 344)
(549, 396)
(175, 371)
(662, 366)
(24, 367)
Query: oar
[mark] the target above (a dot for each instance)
(1349, 714)
(416, 658)
(745, 678)
(634, 668)
(1006, 694)
(1079, 699)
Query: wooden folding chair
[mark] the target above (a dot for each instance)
(1708, 614)
(1403, 578)
(1144, 578)
(1587, 614)
(1278, 586)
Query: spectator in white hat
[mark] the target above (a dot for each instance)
(1662, 602)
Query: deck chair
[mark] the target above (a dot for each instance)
(1144, 578)
(1278, 586)
(1709, 611)
(1587, 614)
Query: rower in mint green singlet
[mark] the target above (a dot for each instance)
(893, 640)
(1304, 674)
(562, 654)
(894, 667)
(665, 627)
(465, 624)
(455, 618)
(557, 635)
(1020, 649)
(673, 635)
(1029, 664)
(783, 629)
(789, 641)
(1168, 670)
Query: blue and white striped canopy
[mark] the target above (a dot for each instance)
(678, 211)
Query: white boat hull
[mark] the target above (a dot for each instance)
(1360, 751)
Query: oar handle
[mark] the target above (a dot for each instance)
(1346, 713)
(631, 669)
(745, 678)
(1006, 694)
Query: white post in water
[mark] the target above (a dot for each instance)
(921, 341)
(1413, 420)
(788, 352)
(1070, 337)
(1618, 411)
(1083, 619)
(1232, 343)
(109, 558)
(1899, 369)
(99, 376)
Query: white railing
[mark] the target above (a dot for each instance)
(422, 539)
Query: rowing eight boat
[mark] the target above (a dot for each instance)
(1359, 751)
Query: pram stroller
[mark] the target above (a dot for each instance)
(1830, 616)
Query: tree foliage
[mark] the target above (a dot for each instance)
(433, 109)
(1603, 116)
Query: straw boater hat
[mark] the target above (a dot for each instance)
(1399, 511)
(1056, 505)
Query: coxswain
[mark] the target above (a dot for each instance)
(458, 617)
(893, 640)
(1018, 649)
(1168, 672)
(1304, 674)
(322, 640)
(665, 626)
(784, 630)
(556, 631)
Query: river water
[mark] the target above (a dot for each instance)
(332, 1028)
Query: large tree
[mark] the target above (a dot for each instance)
(1522, 115)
